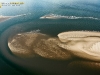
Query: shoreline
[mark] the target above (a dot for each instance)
(4, 18)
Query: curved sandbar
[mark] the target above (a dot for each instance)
(4, 18)
(83, 44)
(32, 44)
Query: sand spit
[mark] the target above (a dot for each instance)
(4, 18)
(84, 44)
(37, 44)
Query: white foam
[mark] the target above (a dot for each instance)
(55, 16)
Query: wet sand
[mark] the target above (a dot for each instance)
(37, 44)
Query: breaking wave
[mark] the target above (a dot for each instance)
(55, 16)
(22, 15)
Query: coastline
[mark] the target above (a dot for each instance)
(4, 18)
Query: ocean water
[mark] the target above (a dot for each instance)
(33, 10)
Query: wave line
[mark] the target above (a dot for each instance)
(55, 16)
